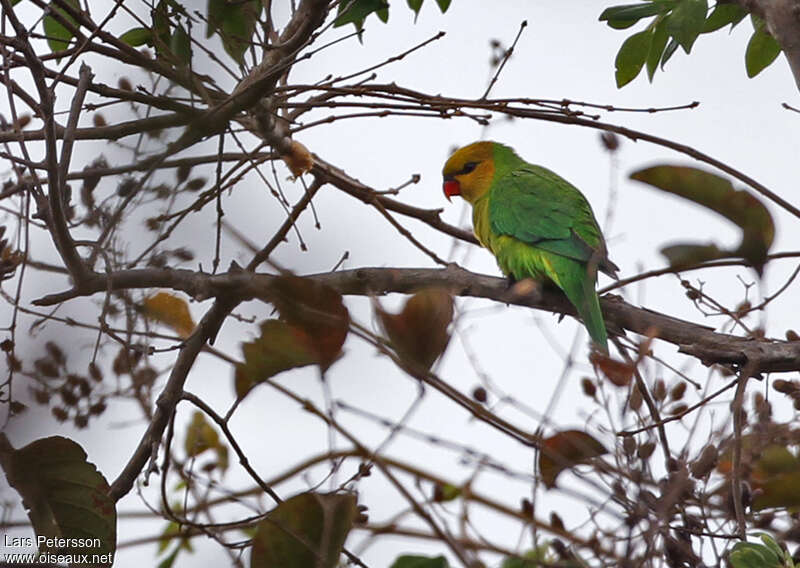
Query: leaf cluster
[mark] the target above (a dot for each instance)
(679, 23)
(356, 11)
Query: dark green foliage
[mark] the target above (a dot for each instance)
(356, 11)
(678, 23)
(414, 561)
(762, 49)
(58, 36)
(235, 23)
(632, 56)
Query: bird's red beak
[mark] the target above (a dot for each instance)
(451, 187)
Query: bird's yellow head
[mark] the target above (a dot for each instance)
(469, 171)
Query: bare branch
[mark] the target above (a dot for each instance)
(205, 331)
(699, 341)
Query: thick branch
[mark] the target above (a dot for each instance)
(693, 339)
(112, 132)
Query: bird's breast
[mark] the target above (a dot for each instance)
(480, 223)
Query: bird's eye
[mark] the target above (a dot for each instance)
(469, 167)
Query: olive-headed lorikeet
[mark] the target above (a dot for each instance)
(536, 224)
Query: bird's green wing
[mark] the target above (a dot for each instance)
(541, 208)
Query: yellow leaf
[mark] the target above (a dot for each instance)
(170, 310)
(201, 436)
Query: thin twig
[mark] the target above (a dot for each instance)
(223, 425)
(506, 57)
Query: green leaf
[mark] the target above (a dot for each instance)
(537, 557)
(443, 5)
(201, 436)
(414, 561)
(315, 309)
(58, 36)
(312, 329)
(415, 6)
(178, 8)
(356, 11)
(718, 194)
(632, 56)
(660, 37)
(621, 24)
(686, 22)
(722, 15)
(446, 492)
(181, 45)
(65, 496)
(137, 36)
(751, 555)
(161, 28)
(235, 23)
(167, 535)
(169, 560)
(307, 530)
(672, 47)
(762, 50)
(171, 532)
(687, 254)
(621, 17)
(280, 347)
(773, 546)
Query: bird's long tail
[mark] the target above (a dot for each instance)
(578, 286)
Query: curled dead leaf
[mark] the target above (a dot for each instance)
(419, 332)
(564, 450)
(617, 372)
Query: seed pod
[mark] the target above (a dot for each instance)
(646, 450)
(677, 392)
(589, 389)
(479, 394)
(660, 390)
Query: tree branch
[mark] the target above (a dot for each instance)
(699, 341)
(206, 330)
(55, 215)
(309, 15)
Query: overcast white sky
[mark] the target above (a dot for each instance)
(564, 53)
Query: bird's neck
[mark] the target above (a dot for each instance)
(480, 219)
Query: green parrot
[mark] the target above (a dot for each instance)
(535, 223)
